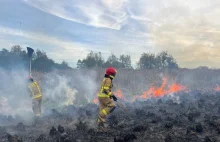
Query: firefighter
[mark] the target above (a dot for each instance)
(36, 95)
(105, 96)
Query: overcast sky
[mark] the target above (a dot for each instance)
(69, 29)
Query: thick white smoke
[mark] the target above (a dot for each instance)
(57, 91)
(86, 82)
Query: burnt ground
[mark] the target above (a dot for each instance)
(187, 117)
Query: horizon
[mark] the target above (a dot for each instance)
(69, 30)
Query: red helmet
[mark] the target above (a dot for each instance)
(111, 71)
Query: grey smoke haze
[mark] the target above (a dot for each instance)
(14, 98)
(79, 87)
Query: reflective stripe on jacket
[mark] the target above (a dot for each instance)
(35, 90)
(105, 89)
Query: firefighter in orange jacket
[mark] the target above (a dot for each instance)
(36, 96)
(105, 96)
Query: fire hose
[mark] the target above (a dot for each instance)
(124, 110)
(121, 106)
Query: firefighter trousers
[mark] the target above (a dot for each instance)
(106, 106)
(36, 107)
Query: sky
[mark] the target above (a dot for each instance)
(69, 29)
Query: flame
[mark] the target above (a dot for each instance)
(154, 91)
(95, 101)
(147, 94)
(217, 88)
(176, 88)
(119, 94)
(160, 91)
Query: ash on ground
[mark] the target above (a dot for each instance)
(194, 117)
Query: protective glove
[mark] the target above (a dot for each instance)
(113, 97)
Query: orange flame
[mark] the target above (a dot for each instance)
(217, 88)
(119, 94)
(154, 91)
(95, 101)
(148, 93)
(161, 91)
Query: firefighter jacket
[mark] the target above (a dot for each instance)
(105, 89)
(35, 91)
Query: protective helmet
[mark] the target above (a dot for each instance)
(111, 72)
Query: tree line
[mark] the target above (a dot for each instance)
(147, 61)
(17, 57)
(41, 62)
(96, 60)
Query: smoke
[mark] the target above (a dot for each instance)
(14, 98)
(79, 87)
(86, 82)
(59, 90)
